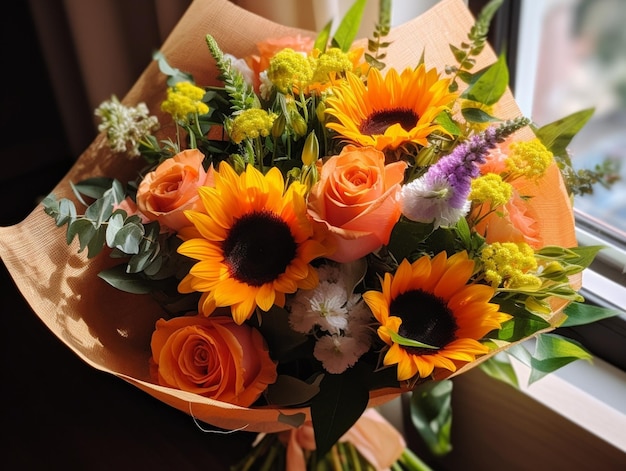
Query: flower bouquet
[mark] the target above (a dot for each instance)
(277, 231)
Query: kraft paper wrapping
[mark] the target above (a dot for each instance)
(110, 330)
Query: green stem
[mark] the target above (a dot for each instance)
(412, 462)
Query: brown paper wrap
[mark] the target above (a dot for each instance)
(111, 330)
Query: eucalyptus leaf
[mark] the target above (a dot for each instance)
(118, 278)
(174, 75)
(116, 222)
(97, 242)
(82, 228)
(128, 238)
(100, 210)
(67, 212)
(94, 187)
(431, 414)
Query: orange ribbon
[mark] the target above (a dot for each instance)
(372, 435)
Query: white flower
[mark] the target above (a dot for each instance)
(323, 306)
(337, 353)
(242, 67)
(427, 200)
(265, 85)
(125, 126)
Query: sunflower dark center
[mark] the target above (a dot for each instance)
(259, 247)
(379, 121)
(425, 318)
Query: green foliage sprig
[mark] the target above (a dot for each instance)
(465, 53)
(382, 28)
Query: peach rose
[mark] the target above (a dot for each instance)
(172, 187)
(512, 222)
(355, 198)
(213, 357)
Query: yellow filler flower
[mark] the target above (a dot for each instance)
(389, 112)
(253, 244)
(431, 302)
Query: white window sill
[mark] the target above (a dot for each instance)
(591, 395)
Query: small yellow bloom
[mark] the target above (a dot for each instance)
(289, 69)
(490, 188)
(251, 123)
(528, 158)
(510, 265)
(184, 99)
(333, 61)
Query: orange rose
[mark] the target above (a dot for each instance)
(213, 357)
(356, 199)
(172, 187)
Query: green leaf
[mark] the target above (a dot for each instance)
(291, 391)
(476, 115)
(174, 75)
(431, 414)
(93, 187)
(557, 135)
(445, 120)
(294, 420)
(519, 328)
(282, 340)
(84, 229)
(129, 283)
(406, 342)
(502, 370)
(349, 27)
(97, 242)
(405, 236)
(582, 314)
(459, 54)
(339, 404)
(128, 238)
(66, 212)
(553, 352)
(321, 41)
(490, 85)
(116, 222)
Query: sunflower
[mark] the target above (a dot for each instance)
(392, 111)
(253, 243)
(431, 302)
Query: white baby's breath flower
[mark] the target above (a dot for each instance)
(125, 126)
(323, 306)
(265, 85)
(242, 67)
(338, 353)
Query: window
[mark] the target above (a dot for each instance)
(565, 56)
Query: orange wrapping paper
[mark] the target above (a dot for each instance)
(109, 329)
